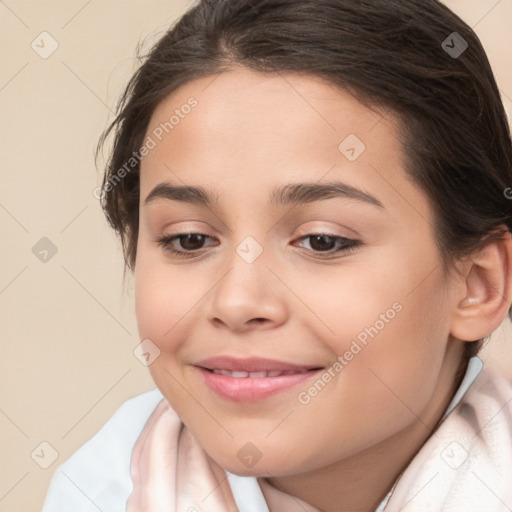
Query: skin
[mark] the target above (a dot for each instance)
(248, 134)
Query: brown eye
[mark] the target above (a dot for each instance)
(183, 244)
(192, 241)
(324, 243)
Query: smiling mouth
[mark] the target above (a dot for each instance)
(253, 379)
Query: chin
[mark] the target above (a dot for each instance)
(261, 468)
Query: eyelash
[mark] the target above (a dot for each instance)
(348, 245)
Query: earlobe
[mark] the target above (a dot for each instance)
(487, 291)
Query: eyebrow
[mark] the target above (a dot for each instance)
(291, 194)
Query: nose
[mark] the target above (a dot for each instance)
(247, 296)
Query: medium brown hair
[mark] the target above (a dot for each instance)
(392, 54)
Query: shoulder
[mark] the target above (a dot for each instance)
(97, 475)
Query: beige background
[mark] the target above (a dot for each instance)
(67, 326)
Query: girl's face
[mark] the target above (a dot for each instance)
(313, 255)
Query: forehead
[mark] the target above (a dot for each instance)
(290, 112)
(249, 131)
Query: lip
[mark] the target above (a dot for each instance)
(250, 389)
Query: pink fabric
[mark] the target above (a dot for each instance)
(172, 473)
(466, 465)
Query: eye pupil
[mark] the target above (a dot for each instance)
(322, 246)
(185, 239)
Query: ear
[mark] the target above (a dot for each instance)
(486, 293)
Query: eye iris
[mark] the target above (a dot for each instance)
(322, 246)
(185, 239)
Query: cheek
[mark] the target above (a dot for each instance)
(164, 306)
(390, 327)
(164, 299)
(383, 389)
(348, 301)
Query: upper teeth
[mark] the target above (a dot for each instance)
(259, 374)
